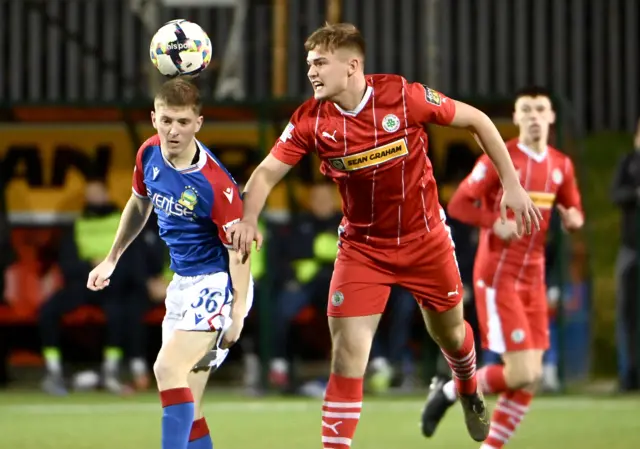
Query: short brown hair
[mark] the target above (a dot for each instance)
(179, 92)
(337, 35)
(534, 91)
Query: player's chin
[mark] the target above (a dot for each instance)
(535, 132)
(320, 93)
(174, 147)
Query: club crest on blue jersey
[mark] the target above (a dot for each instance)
(189, 198)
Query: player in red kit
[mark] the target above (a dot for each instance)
(510, 289)
(369, 133)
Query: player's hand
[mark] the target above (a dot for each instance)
(506, 230)
(232, 334)
(572, 218)
(243, 234)
(527, 214)
(99, 276)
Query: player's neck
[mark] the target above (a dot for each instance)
(352, 96)
(183, 159)
(538, 146)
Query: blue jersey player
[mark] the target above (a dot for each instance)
(196, 200)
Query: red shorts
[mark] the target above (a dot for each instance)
(512, 315)
(426, 267)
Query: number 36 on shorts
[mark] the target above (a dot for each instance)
(206, 309)
(201, 303)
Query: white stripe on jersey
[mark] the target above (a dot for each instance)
(534, 234)
(373, 180)
(315, 131)
(503, 253)
(406, 136)
(346, 150)
(424, 205)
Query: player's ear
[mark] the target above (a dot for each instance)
(153, 119)
(354, 65)
(552, 117)
(199, 121)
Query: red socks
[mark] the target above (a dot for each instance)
(463, 364)
(491, 379)
(509, 411)
(341, 411)
(199, 429)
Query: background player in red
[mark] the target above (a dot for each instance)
(369, 132)
(510, 289)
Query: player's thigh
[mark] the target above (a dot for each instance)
(351, 339)
(173, 308)
(432, 273)
(179, 354)
(538, 318)
(197, 308)
(523, 368)
(502, 320)
(359, 287)
(445, 327)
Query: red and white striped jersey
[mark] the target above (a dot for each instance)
(548, 177)
(377, 155)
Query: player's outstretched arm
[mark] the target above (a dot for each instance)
(465, 206)
(134, 216)
(265, 177)
(569, 201)
(240, 272)
(262, 181)
(490, 140)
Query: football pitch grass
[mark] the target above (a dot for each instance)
(98, 421)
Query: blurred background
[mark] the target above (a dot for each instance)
(75, 93)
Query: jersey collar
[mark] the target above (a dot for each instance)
(538, 157)
(360, 107)
(202, 160)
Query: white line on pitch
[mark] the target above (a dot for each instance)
(286, 406)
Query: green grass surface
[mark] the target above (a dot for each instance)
(96, 421)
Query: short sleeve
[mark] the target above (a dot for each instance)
(294, 142)
(227, 204)
(469, 203)
(483, 179)
(137, 183)
(427, 105)
(568, 192)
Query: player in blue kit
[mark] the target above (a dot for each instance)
(195, 199)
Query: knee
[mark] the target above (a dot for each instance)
(161, 370)
(450, 338)
(347, 362)
(525, 376)
(448, 329)
(167, 374)
(349, 358)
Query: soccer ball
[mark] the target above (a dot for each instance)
(180, 47)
